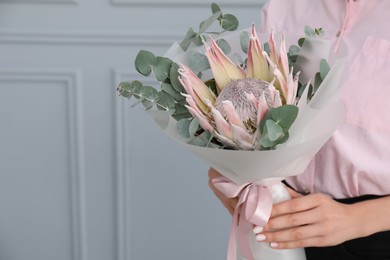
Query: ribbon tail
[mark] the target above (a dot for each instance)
(232, 245)
(243, 235)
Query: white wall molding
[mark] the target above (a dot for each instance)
(178, 3)
(41, 1)
(89, 38)
(72, 81)
(123, 157)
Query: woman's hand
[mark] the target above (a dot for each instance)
(311, 220)
(230, 204)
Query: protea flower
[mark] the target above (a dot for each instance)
(243, 97)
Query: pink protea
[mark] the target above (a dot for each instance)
(243, 97)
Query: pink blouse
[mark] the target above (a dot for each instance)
(356, 160)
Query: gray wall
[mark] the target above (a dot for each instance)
(83, 176)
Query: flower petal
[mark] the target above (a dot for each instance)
(195, 87)
(231, 114)
(224, 70)
(221, 124)
(257, 66)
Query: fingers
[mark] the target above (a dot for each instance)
(297, 204)
(292, 220)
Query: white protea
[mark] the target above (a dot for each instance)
(244, 97)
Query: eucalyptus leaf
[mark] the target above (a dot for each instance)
(130, 89)
(244, 41)
(215, 8)
(197, 62)
(190, 35)
(181, 112)
(165, 101)
(309, 31)
(174, 78)
(224, 45)
(294, 50)
(147, 104)
(229, 22)
(194, 126)
(182, 127)
(208, 22)
(324, 68)
(284, 115)
(317, 82)
(149, 93)
(168, 88)
(125, 89)
(162, 68)
(301, 42)
(266, 48)
(202, 140)
(274, 130)
(144, 62)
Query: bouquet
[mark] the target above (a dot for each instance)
(248, 109)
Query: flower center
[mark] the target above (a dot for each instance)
(237, 92)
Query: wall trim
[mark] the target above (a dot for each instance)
(199, 3)
(41, 1)
(123, 162)
(88, 38)
(72, 80)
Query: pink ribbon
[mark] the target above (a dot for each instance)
(254, 206)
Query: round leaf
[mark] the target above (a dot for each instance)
(144, 62)
(224, 45)
(197, 61)
(174, 78)
(244, 41)
(171, 91)
(215, 8)
(182, 127)
(162, 68)
(229, 22)
(165, 101)
(208, 22)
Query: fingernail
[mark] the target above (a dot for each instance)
(260, 237)
(273, 245)
(257, 229)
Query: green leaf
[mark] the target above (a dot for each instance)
(274, 130)
(194, 126)
(294, 50)
(229, 22)
(215, 8)
(284, 115)
(202, 140)
(165, 101)
(149, 93)
(182, 127)
(130, 89)
(168, 88)
(174, 78)
(224, 45)
(301, 42)
(208, 22)
(162, 68)
(144, 62)
(124, 89)
(324, 68)
(197, 62)
(190, 35)
(244, 40)
(266, 48)
(317, 82)
(309, 31)
(181, 112)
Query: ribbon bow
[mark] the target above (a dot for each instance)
(254, 206)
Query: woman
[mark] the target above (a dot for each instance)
(345, 211)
